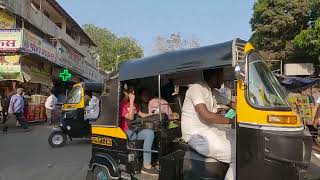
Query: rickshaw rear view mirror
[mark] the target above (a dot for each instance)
(239, 72)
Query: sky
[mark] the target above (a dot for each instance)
(210, 21)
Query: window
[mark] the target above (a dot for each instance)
(74, 96)
(264, 90)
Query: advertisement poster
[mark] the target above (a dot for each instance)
(301, 104)
(10, 68)
(7, 21)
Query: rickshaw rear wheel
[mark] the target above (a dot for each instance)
(101, 173)
(57, 139)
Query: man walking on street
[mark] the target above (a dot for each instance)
(51, 106)
(16, 108)
(5, 105)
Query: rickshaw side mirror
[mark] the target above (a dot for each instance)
(239, 72)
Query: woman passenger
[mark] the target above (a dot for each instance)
(128, 110)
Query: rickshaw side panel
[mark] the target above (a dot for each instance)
(74, 123)
(265, 150)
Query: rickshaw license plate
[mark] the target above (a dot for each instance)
(101, 141)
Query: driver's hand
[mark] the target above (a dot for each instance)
(232, 122)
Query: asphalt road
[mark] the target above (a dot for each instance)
(28, 156)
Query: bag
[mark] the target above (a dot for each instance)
(10, 109)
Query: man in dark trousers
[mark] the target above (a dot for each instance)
(5, 101)
(16, 108)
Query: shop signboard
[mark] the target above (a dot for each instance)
(10, 68)
(34, 44)
(10, 40)
(7, 21)
(70, 58)
(298, 69)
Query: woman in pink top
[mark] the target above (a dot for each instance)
(128, 110)
(154, 104)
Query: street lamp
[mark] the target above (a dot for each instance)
(118, 56)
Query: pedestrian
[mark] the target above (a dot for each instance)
(16, 108)
(50, 106)
(5, 101)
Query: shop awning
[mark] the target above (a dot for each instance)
(33, 77)
(296, 84)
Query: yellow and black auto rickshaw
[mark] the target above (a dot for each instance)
(73, 124)
(271, 141)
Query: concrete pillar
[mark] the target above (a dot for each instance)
(64, 26)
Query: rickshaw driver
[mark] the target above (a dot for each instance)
(199, 121)
(92, 110)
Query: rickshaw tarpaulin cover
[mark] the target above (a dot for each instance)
(217, 55)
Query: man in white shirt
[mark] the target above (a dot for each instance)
(92, 110)
(50, 105)
(202, 127)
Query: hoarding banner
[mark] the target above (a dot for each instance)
(34, 44)
(10, 40)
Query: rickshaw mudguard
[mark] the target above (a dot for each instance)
(104, 160)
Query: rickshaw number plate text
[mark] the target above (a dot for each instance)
(101, 141)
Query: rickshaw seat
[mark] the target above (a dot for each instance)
(196, 165)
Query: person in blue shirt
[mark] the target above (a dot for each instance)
(16, 108)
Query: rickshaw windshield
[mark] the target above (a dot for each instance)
(264, 90)
(74, 96)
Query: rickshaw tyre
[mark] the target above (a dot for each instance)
(99, 169)
(64, 139)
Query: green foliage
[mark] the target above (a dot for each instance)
(276, 23)
(309, 40)
(109, 46)
(174, 42)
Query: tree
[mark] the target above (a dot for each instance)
(276, 23)
(109, 46)
(309, 39)
(174, 42)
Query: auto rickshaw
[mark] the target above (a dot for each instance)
(271, 140)
(73, 124)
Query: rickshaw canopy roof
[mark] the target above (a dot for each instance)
(216, 55)
(93, 86)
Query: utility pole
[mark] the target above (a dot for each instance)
(120, 55)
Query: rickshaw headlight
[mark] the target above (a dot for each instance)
(282, 119)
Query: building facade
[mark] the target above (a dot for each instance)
(39, 40)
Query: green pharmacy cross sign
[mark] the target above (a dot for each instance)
(65, 75)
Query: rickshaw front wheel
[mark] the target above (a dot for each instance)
(100, 173)
(57, 139)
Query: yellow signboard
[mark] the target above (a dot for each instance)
(101, 141)
(6, 20)
(301, 104)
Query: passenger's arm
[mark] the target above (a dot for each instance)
(130, 114)
(210, 117)
(141, 114)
